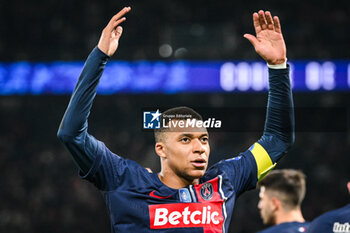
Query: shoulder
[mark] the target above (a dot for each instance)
(333, 215)
(110, 171)
(288, 227)
(272, 229)
(335, 219)
(231, 165)
(238, 173)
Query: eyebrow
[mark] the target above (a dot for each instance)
(192, 136)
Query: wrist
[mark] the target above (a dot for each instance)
(102, 52)
(278, 65)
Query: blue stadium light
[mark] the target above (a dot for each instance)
(58, 78)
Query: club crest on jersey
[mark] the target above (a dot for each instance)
(185, 195)
(207, 191)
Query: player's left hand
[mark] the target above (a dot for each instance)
(269, 42)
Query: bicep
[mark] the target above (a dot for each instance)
(274, 146)
(82, 148)
(110, 171)
(267, 151)
(241, 171)
(249, 167)
(262, 159)
(96, 162)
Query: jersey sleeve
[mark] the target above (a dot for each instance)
(239, 171)
(252, 165)
(245, 170)
(95, 161)
(110, 171)
(73, 130)
(278, 135)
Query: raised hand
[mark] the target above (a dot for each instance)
(269, 42)
(109, 39)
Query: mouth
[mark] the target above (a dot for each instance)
(199, 163)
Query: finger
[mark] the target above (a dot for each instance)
(118, 32)
(120, 14)
(253, 40)
(262, 20)
(116, 23)
(277, 24)
(269, 20)
(257, 26)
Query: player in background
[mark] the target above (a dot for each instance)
(333, 221)
(281, 194)
(184, 196)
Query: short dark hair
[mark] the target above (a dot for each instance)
(289, 183)
(177, 113)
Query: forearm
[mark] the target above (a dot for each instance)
(74, 121)
(73, 128)
(279, 126)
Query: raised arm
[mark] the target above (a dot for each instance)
(73, 128)
(278, 133)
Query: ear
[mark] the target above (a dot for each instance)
(348, 185)
(160, 149)
(276, 203)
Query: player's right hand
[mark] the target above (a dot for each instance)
(109, 39)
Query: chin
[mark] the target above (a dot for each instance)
(196, 174)
(191, 174)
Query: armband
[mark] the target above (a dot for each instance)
(262, 159)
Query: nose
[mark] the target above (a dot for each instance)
(198, 147)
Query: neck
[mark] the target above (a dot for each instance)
(289, 216)
(173, 181)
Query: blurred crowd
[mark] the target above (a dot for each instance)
(67, 30)
(40, 187)
(42, 192)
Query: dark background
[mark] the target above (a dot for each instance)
(65, 30)
(40, 188)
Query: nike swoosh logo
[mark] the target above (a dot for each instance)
(156, 196)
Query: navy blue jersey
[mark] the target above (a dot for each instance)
(134, 195)
(137, 200)
(287, 227)
(333, 221)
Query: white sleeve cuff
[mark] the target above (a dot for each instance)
(279, 66)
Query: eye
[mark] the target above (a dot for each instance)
(205, 139)
(185, 140)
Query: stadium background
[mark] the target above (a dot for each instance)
(40, 189)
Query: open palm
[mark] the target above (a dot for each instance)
(269, 42)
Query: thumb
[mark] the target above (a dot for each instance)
(252, 39)
(118, 32)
